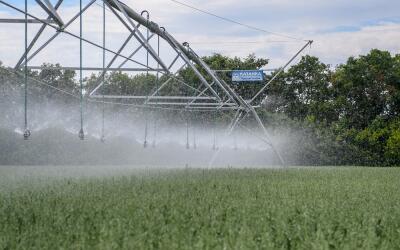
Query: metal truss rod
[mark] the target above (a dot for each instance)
(71, 34)
(229, 92)
(99, 69)
(187, 85)
(51, 11)
(46, 24)
(110, 63)
(119, 51)
(172, 77)
(154, 97)
(17, 73)
(186, 56)
(268, 136)
(200, 94)
(159, 88)
(226, 101)
(208, 109)
(139, 36)
(27, 133)
(81, 132)
(134, 53)
(38, 34)
(230, 70)
(193, 104)
(267, 139)
(244, 104)
(129, 13)
(153, 27)
(120, 18)
(31, 21)
(235, 121)
(173, 61)
(102, 139)
(251, 132)
(175, 45)
(281, 70)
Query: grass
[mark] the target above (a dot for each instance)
(312, 208)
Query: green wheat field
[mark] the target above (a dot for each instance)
(122, 208)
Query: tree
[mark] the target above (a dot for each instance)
(365, 88)
(305, 90)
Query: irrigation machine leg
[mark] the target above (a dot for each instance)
(235, 121)
(260, 123)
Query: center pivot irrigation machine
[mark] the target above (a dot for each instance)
(213, 94)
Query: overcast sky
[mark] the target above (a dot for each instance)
(340, 28)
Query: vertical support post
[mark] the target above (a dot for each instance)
(187, 132)
(147, 76)
(214, 130)
(235, 146)
(81, 133)
(261, 124)
(235, 121)
(145, 133)
(103, 75)
(194, 137)
(157, 86)
(154, 132)
(27, 133)
(34, 40)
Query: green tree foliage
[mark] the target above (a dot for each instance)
(351, 112)
(305, 91)
(366, 88)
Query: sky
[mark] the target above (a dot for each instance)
(339, 28)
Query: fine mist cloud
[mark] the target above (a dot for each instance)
(55, 122)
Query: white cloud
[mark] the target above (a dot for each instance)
(336, 47)
(309, 19)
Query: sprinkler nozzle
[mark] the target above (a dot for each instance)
(27, 134)
(81, 135)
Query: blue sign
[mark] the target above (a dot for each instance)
(247, 76)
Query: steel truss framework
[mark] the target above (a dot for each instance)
(214, 94)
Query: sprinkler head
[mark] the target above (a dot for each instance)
(103, 139)
(187, 146)
(145, 144)
(81, 135)
(27, 134)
